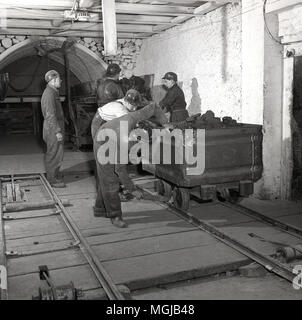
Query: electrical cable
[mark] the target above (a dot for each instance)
(266, 25)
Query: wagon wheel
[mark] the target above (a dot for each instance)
(230, 195)
(159, 187)
(163, 188)
(181, 197)
(235, 196)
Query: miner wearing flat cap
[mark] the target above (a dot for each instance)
(53, 128)
(174, 100)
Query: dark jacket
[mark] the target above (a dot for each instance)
(174, 99)
(108, 90)
(52, 111)
(132, 118)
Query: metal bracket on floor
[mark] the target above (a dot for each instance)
(75, 244)
(12, 253)
(49, 291)
(7, 217)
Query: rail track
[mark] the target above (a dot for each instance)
(270, 262)
(79, 241)
(104, 280)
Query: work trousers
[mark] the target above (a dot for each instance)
(108, 184)
(96, 123)
(54, 155)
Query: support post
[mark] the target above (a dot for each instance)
(109, 27)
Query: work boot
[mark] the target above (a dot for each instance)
(59, 176)
(58, 184)
(119, 222)
(99, 212)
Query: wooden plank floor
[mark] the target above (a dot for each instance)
(157, 247)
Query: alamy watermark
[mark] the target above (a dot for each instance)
(3, 17)
(297, 281)
(3, 277)
(178, 147)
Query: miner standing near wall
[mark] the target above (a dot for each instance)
(174, 100)
(53, 128)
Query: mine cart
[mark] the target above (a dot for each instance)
(232, 163)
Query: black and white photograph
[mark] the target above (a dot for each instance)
(151, 152)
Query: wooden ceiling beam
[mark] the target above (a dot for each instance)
(72, 33)
(201, 10)
(96, 17)
(181, 2)
(131, 8)
(79, 26)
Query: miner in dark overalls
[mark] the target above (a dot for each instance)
(108, 200)
(108, 90)
(174, 100)
(108, 112)
(53, 128)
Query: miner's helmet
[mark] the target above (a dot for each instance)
(51, 74)
(170, 76)
(133, 97)
(113, 69)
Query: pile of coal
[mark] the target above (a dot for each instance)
(197, 121)
(205, 121)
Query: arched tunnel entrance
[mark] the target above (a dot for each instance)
(26, 63)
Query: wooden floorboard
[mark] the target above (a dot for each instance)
(137, 234)
(26, 228)
(153, 245)
(158, 247)
(261, 238)
(41, 247)
(153, 269)
(31, 214)
(55, 260)
(32, 241)
(274, 208)
(218, 215)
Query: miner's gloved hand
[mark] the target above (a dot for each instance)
(59, 136)
(138, 194)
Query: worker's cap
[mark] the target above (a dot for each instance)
(113, 69)
(133, 97)
(51, 74)
(170, 76)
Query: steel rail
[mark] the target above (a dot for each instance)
(3, 260)
(262, 217)
(100, 272)
(267, 262)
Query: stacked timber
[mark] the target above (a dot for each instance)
(127, 50)
(127, 53)
(6, 41)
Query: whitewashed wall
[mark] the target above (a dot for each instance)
(205, 52)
